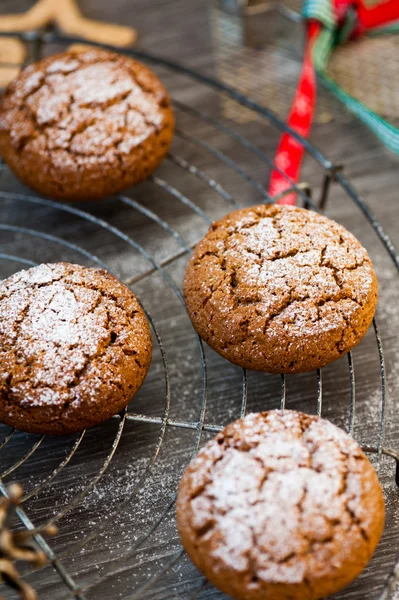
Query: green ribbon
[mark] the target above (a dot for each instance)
(329, 38)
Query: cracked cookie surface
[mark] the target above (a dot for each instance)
(280, 505)
(75, 346)
(80, 126)
(280, 289)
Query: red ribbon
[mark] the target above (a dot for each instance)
(376, 16)
(290, 152)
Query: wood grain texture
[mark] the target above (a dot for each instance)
(120, 510)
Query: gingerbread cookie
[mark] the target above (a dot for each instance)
(67, 16)
(280, 505)
(75, 348)
(95, 122)
(280, 289)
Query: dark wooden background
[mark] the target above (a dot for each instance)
(96, 537)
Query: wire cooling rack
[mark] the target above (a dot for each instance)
(111, 490)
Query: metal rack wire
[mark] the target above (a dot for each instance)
(164, 420)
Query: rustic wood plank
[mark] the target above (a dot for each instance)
(180, 30)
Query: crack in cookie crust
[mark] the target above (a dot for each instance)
(280, 289)
(75, 347)
(95, 121)
(280, 505)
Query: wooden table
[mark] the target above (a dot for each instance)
(113, 518)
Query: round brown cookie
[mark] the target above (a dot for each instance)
(280, 289)
(82, 125)
(75, 346)
(280, 505)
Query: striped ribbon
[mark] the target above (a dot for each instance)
(330, 23)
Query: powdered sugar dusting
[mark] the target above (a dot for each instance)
(282, 498)
(68, 334)
(97, 122)
(280, 289)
